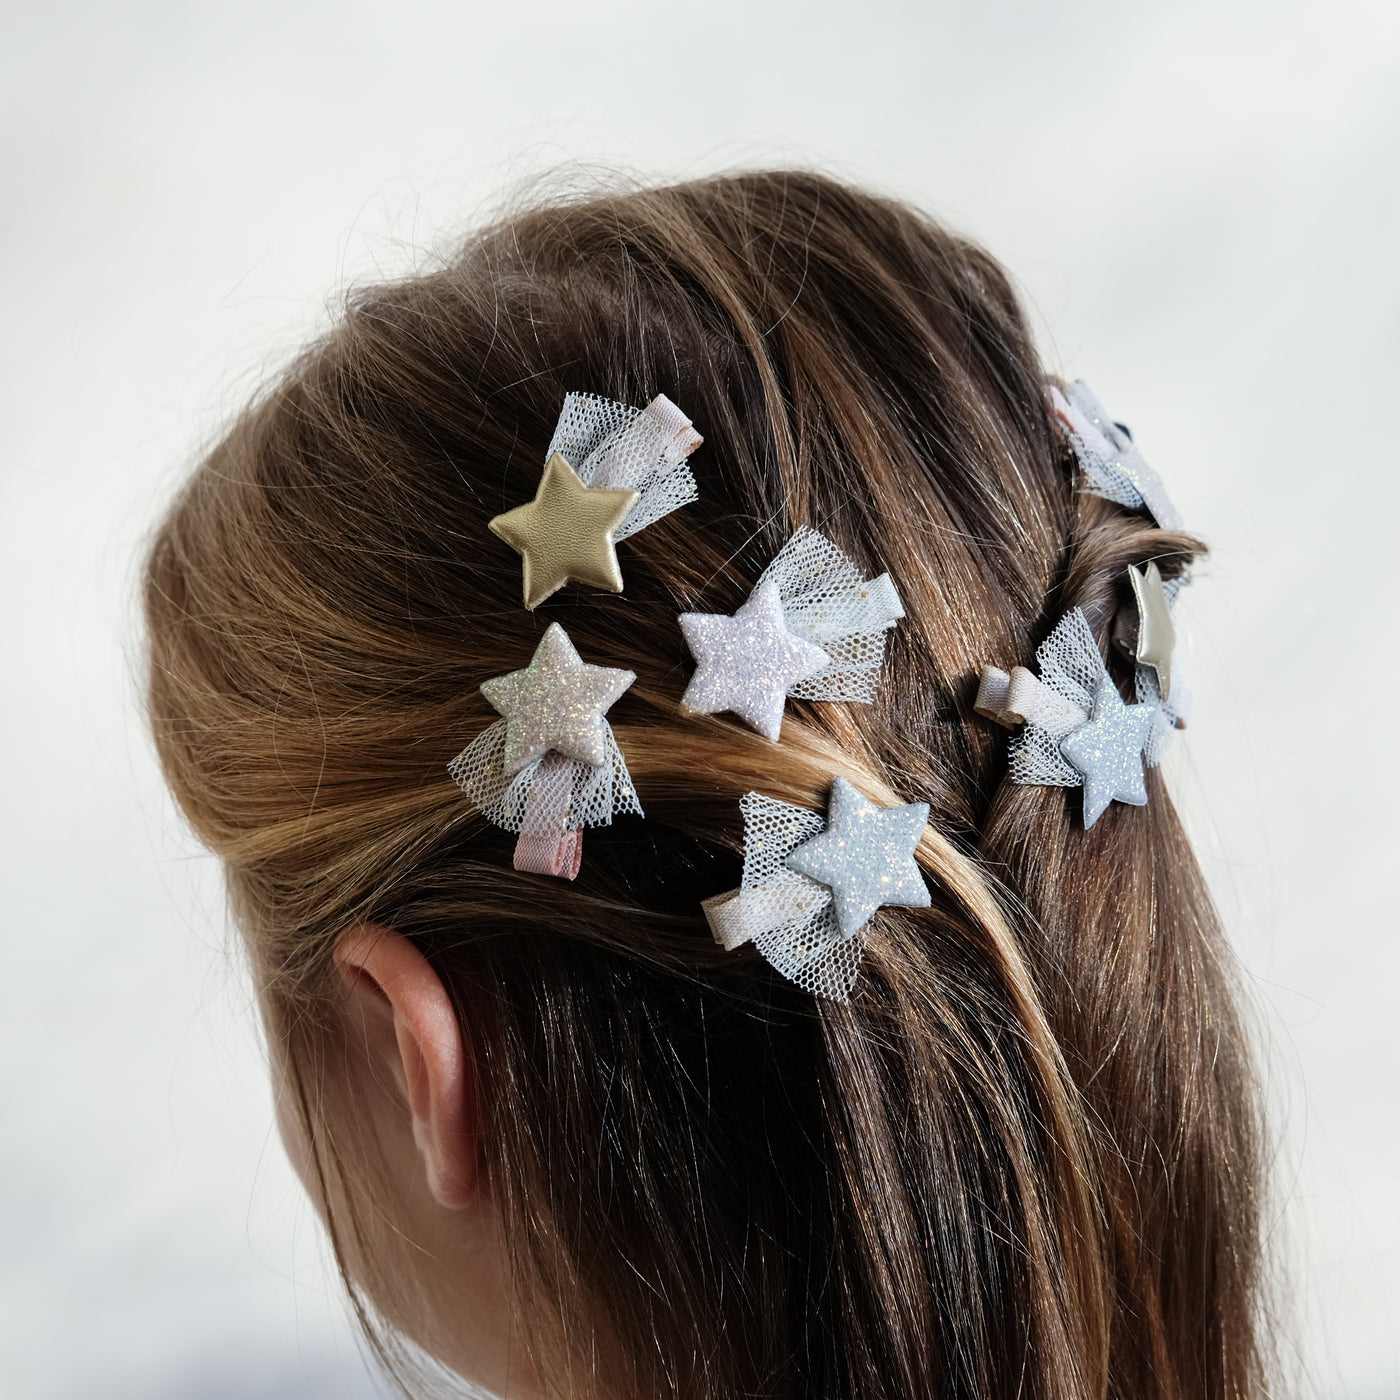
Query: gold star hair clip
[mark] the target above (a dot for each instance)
(610, 471)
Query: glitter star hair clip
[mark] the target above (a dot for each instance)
(610, 471)
(1108, 459)
(1075, 729)
(550, 766)
(810, 886)
(812, 628)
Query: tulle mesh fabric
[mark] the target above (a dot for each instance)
(1070, 665)
(826, 601)
(611, 445)
(595, 795)
(822, 967)
(549, 801)
(790, 917)
(1109, 459)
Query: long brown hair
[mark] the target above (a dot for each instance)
(1023, 1160)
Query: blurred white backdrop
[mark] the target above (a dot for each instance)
(1199, 198)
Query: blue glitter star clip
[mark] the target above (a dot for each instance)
(1107, 751)
(810, 887)
(1076, 730)
(865, 856)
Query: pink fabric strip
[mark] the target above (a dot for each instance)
(677, 427)
(544, 847)
(544, 855)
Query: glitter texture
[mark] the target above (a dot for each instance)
(556, 703)
(551, 766)
(865, 856)
(748, 662)
(792, 917)
(1107, 751)
(1078, 732)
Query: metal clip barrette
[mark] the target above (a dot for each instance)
(1109, 459)
(610, 471)
(550, 766)
(810, 886)
(813, 627)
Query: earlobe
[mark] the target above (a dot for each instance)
(410, 1024)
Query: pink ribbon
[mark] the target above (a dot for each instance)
(678, 428)
(544, 847)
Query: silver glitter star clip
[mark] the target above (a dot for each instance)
(810, 887)
(1075, 729)
(813, 628)
(550, 766)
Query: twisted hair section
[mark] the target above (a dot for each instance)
(1022, 1161)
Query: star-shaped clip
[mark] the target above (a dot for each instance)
(865, 856)
(1156, 634)
(1107, 751)
(748, 662)
(556, 702)
(814, 627)
(610, 471)
(810, 886)
(550, 766)
(1074, 728)
(566, 532)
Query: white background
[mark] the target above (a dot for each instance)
(1199, 199)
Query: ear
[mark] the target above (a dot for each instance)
(410, 1027)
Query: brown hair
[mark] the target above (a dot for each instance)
(1022, 1161)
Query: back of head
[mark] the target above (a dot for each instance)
(1021, 1160)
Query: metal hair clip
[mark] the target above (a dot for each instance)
(1077, 730)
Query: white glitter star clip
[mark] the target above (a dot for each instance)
(812, 628)
(1077, 730)
(550, 766)
(1112, 466)
(810, 887)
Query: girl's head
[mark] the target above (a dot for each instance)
(555, 1122)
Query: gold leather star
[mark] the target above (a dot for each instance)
(566, 532)
(1156, 636)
